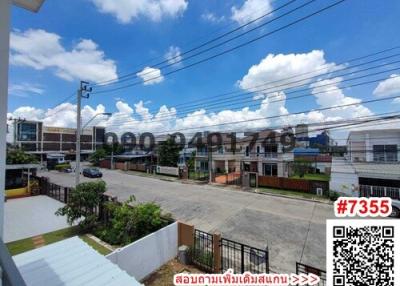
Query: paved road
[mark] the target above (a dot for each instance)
(294, 229)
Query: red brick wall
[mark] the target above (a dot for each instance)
(120, 166)
(137, 167)
(284, 183)
(266, 181)
(105, 164)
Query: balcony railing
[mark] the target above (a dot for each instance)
(9, 273)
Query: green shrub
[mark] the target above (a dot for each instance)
(129, 223)
(61, 167)
(333, 196)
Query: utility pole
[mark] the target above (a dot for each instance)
(210, 171)
(83, 91)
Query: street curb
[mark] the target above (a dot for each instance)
(288, 197)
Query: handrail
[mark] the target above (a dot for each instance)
(10, 273)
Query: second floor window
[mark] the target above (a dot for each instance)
(271, 150)
(258, 151)
(247, 151)
(385, 153)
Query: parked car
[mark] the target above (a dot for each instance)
(92, 173)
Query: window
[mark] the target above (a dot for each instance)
(27, 131)
(385, 153)
(220, 150)
(271, 150)
(258, 151)
(203, 165)
(247, 151)
(270, 170)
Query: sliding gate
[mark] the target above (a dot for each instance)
(241, 257)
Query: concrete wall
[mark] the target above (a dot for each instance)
(343, 177)
(146, 255)
(173, 171)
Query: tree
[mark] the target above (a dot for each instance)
(168, 153)
(82, 203)
(191, 161)
(18, 156)
(97, 156)
(116, 148)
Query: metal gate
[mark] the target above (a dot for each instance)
(305, 269)
(203, 250)
(241, 257)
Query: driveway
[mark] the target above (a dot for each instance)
(31, 216)
(293, 229)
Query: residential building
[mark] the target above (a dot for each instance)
(371, 166)
(35, 138)
(221, 155)
(266, 157)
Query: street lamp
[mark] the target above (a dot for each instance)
(78, 149)
(98, 114)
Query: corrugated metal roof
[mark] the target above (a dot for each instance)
(70, 262)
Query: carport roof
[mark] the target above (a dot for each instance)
(70, 262)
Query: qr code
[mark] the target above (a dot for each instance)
(362, 252)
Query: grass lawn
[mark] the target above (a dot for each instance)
(290, 193)
(314, 177)
(23, 245)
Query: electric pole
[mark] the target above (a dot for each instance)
(83, 91)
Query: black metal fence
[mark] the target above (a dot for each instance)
(305, 269)
(203, 250)
(241, 257)
(198, 175)
(62, 194)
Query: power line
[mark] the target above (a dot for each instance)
(228, 50)
(235, 94)
(323, 67)
(286, 115)
(245, 97)
(167, 116)
(121, 78)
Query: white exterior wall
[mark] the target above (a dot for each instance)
(5, 6)
(371, 138)
(343, 178)
(146, 255)
(173, 171)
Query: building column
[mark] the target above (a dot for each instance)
(226, 166)
(5, 7)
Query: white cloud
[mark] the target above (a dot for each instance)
(250, 10)
(25, 89)
(388, 87)
(331, 95)
(173, 55)
(128, 10)
(150, 76)
(279, 71)
(212, 18)
(41, 50)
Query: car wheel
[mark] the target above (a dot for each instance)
(395, 212)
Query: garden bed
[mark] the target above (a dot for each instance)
(165, 275)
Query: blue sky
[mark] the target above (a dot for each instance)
(124, 45)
